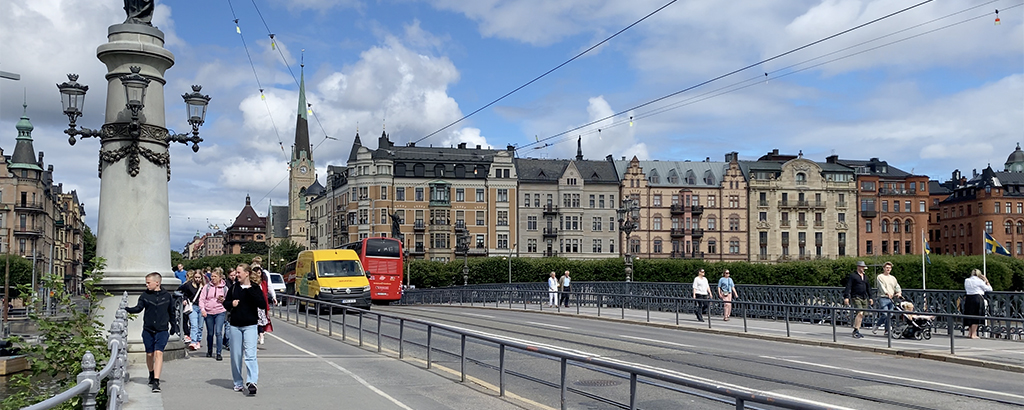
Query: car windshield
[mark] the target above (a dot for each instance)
(334, 269)
(276, 278)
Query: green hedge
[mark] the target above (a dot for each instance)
(944, 272)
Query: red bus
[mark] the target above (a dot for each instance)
(382, 259)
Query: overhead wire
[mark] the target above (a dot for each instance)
(758, 79)
(580, 54)
(259, 84)
(703, 83)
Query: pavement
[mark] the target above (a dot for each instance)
(1000, 354)
(299, 368)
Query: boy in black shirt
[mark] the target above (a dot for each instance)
(159, 310)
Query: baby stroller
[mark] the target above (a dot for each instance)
(910, 325)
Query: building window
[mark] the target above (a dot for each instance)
(656, 224)
(600, 201)
(502, 241)
(657, 246)
(801, 178)
(1008, 207)
(713, 223)
(656, 200)
(734, 223)
(479, 194)
(908, 250)
(400, 194)
(611, 224)
(885, 226)
(480, 219)
(734, 247)
(596, 227)
(896, 226)
(419, 194)
(869, 247)
(711, 201)
(536, 200)
(734, 201)
(596, 246)
(867, 226)
(531, 245)
(1008, 227)
(593, 201)
(611, 246)
(383, 192)
(785, 243)
(503, 195)
(712, 247)
(502, 218)
(531, 223)
(460, 196)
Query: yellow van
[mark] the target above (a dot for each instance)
(332, 275)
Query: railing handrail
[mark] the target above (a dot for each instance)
(737, 393)
(88, 385)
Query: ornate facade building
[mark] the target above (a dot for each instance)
(990, 201)
(439, 195)
(800, 209)
(38, 221)
(688, 209)
(248, 227)
(567, 207)
(892, 208)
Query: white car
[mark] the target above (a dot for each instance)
(277, 283)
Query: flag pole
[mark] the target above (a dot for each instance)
(984, 253)
(924, 252)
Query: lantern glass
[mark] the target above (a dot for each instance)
(135, 92)
(196, 110)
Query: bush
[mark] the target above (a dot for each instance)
(944, 271)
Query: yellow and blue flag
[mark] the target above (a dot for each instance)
(993, 246)
(927, 249)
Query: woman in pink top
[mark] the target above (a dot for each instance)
(211, 305)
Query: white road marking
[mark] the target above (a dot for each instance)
(944, 385)
(655, 340)
(550, 325)
(346, 371)
(478, 315)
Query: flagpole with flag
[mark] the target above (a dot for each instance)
(991, 245)
(924, 257)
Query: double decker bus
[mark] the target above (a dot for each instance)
(382, 259)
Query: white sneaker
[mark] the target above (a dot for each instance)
(261, 338)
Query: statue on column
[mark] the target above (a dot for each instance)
(139, 11)
(396, 225)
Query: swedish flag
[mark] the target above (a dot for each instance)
(927, 250)
(993, 246)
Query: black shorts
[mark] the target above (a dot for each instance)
(155, 341)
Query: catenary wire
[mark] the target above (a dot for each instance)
(758, 79)
(775, 57)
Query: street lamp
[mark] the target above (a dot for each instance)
(629, 220)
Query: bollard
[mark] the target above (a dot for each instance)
(501, 371)
(401, 338)
(360, 329)
(787, 320)
(462, 359)
(834, 325)
(429, 330)
(378, 334)
(564, 374)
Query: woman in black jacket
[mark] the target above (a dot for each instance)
(243, 300)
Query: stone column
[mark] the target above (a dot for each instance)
(133, 232)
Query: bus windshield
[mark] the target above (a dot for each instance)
(337, 269)
(383, 247)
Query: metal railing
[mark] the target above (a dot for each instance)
(636, 374)
(116, 370)
(835, 314)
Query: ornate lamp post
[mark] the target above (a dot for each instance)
(133, 226)
(629, 220)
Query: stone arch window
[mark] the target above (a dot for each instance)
(709, 177)
(439, 170)
(885, 225)
(908, 226)
(691, 178)
(970, 230)
(673, 177)
(654, 177)
(1008, 227)
(1020, 227)
(801, 178)
(712, 246)
(961, 229)
(945, 230)
(712, 223)
(895, 226)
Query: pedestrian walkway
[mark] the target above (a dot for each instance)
(302, 369)
(992, 353)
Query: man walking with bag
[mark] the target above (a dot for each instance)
(858, 288)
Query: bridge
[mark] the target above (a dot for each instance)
(456, 354)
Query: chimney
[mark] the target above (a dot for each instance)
(832, 159)
(609, 158)
(477, 146)
(707, 159)
(732, 156)
(412, 144)
(623, 157)
(775, 151)
(510, 147)
(974, 172)
(462, 145)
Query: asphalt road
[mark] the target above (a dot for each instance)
(831, 376)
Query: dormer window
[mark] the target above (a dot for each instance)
(801, 178)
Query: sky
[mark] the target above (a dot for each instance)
(930, 90)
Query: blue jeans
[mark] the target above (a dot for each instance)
(244, 338)
(215, 331)
(194, 322)
(884, 303)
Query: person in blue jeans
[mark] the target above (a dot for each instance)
(244, 300)
(159, 307)
(190, 294)
(211, 305)
(888, 290)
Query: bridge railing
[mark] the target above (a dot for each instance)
(115, 371)
(834, 314)
(761, 301)
(636, 374)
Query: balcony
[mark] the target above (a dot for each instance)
(697, 232)
(28, 231)
(892, 192)
(440, 224)
(784, 223)
(550, 210)
(869, 214)
(478, 250)
(313, 240)
(677, 209)
(696, 209)
(841, 205)
(819, 224)
(818, 204)
(684, 255)
(76, 246)
(550, 232)
(762, 203)
(462, 250)
(460, 227)
(417, 250)
(24, 206)
(678, 232)
(419, 226)
(550, 254)
(801, 224)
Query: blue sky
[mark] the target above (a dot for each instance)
(946, 100)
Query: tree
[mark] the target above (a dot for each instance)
(21, 272)
(285, 249)
(176, 258)
(88, 249)
(253, 247)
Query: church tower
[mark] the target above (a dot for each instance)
(302, 171)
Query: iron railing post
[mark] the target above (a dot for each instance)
(632, 391)
(360, 328)
(600, 300)
(565, 370)
(429, 331)
(344, 325)
(677, 311)
(949, 326)
(462, 359)
(91, 376)
(330, 322)
(401, 338)
(744, 317)
(501, 370)
(834, 325)
(378, 333)
(318, 308)
(786, 307)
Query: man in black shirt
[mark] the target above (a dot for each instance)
(858, 288)
(159, 310)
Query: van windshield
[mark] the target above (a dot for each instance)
(336, 269)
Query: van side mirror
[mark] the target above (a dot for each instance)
(368, 274)
(310, 276)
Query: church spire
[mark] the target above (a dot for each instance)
(302, 122)
(579, 148)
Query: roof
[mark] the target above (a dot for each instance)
(665, 169)
(534, 170)
(315, 189)
(24, 153)
(874, 166)
(248, 217)
(937, 188)
(279, 217)
(302, 123)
